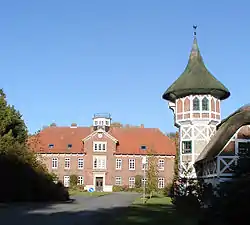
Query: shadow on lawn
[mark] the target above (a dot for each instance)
(134, 215)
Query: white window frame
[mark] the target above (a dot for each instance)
(143, 180)
(99, 146)
(161, 182)
(131, 162)
(67, 163)
(118, 180)
(145, 166)
(66, 181)
(80, 180)
(118, 164)
(80, 163)
(101, 162)
(131, 182)
(54, 162)
(161, 164)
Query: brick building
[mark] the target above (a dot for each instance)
(104, 155)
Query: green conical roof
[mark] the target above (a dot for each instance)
(196, 79)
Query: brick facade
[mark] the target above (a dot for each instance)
(117, 143)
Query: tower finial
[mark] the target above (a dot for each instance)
(195, 27)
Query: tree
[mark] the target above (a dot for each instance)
(151, 173)
(138, 181)
(20, 163)
(116, 124)
(12, 128)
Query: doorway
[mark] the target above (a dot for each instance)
(99, 183)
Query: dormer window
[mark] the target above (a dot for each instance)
(205, 104)
(69, 146)
(96, 123)
(196, 104)
(143, 147)
(51, 145)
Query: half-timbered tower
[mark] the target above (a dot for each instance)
(195, 99)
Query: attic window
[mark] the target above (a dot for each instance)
(143, 147)
(69, 146)
(51, 146)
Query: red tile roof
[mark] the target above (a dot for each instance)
(129, 139)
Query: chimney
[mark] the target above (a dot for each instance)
(142, 125)
(73, 125)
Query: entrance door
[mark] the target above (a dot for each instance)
(99, 183)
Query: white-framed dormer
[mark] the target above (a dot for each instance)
(99, 146)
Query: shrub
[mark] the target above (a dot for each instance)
(168, 190)
(117, 188)
(33, 185)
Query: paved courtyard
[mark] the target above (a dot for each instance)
(84, 210)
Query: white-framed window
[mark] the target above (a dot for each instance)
(80, 163)
(145, 165)
(66, 181)
(161, 164)
(243, 147)
(100, 146)
(186, 147)
(118, 180)
(99, 162)
(205, 104)
(67, 163)
(143, 180)
(131, 182)
(131, 164)
(54, 163)
(161, 182)
(80, 180)
(118, 164)
(196, 104)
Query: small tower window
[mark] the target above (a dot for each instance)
(196, 104)
(186, 147)
(205, 104)
(69, 146)
(143, 147)
(51, 146)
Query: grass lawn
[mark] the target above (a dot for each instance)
(85, 193)
(157, 210)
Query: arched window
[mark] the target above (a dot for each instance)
(196, 104)
(205, 104)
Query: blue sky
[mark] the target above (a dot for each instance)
(62, 61)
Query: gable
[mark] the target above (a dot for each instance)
(99, 133)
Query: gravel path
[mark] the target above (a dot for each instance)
(80, 211)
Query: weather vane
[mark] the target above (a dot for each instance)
(195, 27)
